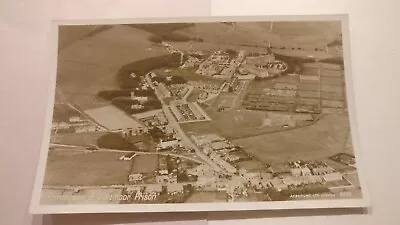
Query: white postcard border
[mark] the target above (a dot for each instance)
(364, 202)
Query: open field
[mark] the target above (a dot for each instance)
(70, 34)
(89, 65)
(229, 124)
(112, 118)
(284, 34)
(234, 124)
(194, 94)
(318, 141)
(252, 166)
(224, 100)
(80, 168)
(78, 139)
(144, 164)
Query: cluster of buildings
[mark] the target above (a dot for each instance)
(162, 90)
(75, 124)
(129, 132)
(221, 65)
(152, 118)
(179, 91)
(346, 159)
(214, 64)
(210, 87)
(191, 62)
(263, 65)
(187, 111)
(314, 171)
(221, 151)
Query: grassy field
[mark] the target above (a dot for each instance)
(145, 164)
(80, 168)
(234, 124)
(89, 65)
(230, 123)
(113, 118)
(187, 74)
(224, 100)
(194, 95)
(70, 34)
(289, 34)
(252, 166)
(79, 139)
(318, 141)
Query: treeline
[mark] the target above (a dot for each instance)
(231, 52)
(295, 64)
(172, 37)
(144, 66)
(109, 95)
(173, 80)
(115, 141)
(199, 56)
(125, 104)
(157, 28)
(166, 32)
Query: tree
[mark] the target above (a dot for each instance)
(115, 141)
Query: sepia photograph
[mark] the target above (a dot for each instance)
(200, 114)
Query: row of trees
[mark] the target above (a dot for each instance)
(172, 37)
(166, 32)
(115, 141)
(144, 66)
(157, 28)
(109, 95)
(173, 80)
(125, 104)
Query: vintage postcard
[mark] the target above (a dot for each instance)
(200, 114)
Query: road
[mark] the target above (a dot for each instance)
(240, 94)
(83, 148)
(66, 102)
(173, 123)
(172, 49)
(115, 186)
(187, 141)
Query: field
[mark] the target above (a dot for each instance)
(284, 34)
(229, 124)
(144, 164)
(79, 139)
(224, 100)
(80, 168)
(252, 166)
(112, 118)
(187, 74)
(88, 65)
(234, 124)
(318, 141)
